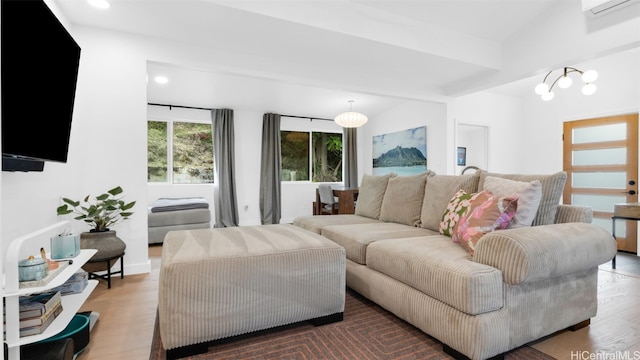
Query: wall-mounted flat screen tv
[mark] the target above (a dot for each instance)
(40, 63)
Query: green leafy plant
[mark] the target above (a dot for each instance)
(99, 212)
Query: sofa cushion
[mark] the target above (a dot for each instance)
(486, 212)
(402, 201)
(438, 192)
(457, 207)
(529, 194)
(315, 223)
(552, 187)
(370, 195)
(356, 238)
(440, 269)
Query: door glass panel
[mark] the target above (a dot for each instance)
(598, 202)
(605, 180)
(615, 156)
(601, 133)
(621, 228)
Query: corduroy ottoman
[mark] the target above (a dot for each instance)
(160, 223)
(220, 283)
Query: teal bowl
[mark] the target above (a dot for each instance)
(78, 330)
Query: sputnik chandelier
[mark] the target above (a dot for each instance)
(564, 81)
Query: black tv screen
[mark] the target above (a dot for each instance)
(40, 63)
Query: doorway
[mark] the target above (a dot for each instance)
(600, 157)
(474, 139)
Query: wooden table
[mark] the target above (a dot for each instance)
(346, 200)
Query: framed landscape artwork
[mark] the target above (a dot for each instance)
(402, 152)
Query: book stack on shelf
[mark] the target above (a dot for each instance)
(37, 311)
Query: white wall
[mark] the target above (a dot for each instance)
(409, 115)
(503, 117)
(107, 149)
(474, 138)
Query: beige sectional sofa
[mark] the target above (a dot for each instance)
(480, 299)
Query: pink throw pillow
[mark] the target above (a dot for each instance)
(486, 213)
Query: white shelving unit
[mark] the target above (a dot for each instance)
(12, 291)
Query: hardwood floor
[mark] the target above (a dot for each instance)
(127, 315)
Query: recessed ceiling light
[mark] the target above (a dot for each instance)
(161, 79)
(100, 4)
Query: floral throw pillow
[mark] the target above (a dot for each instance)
(457, 206)
(486, 212)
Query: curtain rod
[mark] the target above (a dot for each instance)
(305, 117)
(201, 108)
(180, 106)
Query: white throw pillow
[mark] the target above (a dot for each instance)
(528, 193)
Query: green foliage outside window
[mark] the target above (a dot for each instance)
(294, 150)
(322, 152)
(192, 152)
(327, 157)
(157, 151)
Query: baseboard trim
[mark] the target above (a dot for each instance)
(132, 269)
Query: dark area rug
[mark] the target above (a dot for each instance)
(367, 332)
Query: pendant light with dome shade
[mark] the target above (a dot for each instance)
(564, 81)
(351, 119)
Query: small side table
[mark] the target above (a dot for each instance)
(624, 211)
(109, 262)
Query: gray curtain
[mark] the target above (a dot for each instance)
(350, 148)
(224, 189)
(270, 170)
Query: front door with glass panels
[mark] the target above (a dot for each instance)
(601, 161)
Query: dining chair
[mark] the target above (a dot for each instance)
(329, 204)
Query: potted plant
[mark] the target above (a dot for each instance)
(100, 212)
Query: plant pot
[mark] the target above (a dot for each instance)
(107, 244)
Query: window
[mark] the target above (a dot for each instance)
(315, 153)
(184, 147)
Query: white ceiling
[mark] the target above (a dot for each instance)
(403, 49)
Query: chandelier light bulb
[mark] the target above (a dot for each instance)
(542, 88)
(548, 96)
(589, 89)
(565, 82)
(589, 76)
